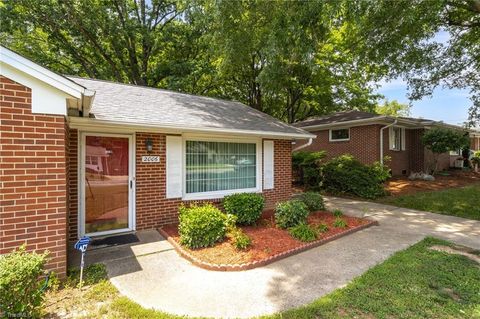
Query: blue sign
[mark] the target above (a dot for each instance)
(82, 244)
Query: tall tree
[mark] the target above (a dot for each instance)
(115, 39)
(401, 39)
(393, 108)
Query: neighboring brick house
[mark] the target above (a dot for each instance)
(82, 156)
(370, 137)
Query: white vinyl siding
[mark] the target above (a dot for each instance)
(268, 165)
(174, 166)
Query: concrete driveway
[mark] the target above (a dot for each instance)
(153, 275)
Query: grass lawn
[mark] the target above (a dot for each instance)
(461, 202)
(415, 283)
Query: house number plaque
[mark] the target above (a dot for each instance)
(151, 159)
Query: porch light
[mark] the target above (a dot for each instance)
(149, 145)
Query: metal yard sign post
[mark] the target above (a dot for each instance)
(82, 245)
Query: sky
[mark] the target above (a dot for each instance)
(450, 106)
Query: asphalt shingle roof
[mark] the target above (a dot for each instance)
(336, 118)
(144, 105)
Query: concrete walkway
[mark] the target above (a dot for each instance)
(162, 280)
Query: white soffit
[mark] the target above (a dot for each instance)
(49, 90)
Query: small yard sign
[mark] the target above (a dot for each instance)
(151, 159)
(82, 245)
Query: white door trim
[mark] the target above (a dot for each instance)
(81, 184)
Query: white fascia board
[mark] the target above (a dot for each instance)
(24, 65)
(104, 125)
(370, 121)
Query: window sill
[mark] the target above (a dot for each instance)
(217, 195)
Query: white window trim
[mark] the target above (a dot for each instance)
(402, 146)
(222, 193)
(337, 129)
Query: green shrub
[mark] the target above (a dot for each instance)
(303, 232)
(322, 228)
(340, 223)
(306, 165)
(313, 200)
(20, 283)
(337, 213)
(201, 226)
(346, 175)
(247, 207)
(290, 213)
(240, 240)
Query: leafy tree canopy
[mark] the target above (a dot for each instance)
(291, 59)
(399, 38)
(393, 108)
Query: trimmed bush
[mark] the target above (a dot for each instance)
(340, 223)
(290, 213)
(306, 165)
(313, 200)
(322, 228)
(247, 207)
(201, 226)
(303, 232)
(241, 241)
(346, 175)
(337, 213)
(20, 284)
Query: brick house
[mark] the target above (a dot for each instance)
(89, 157)
(370, 137)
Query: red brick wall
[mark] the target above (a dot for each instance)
(363, 144)
(152, 208)
(282, 173)
(417, 151)
(399, 159)
(73, 185)
(33, 203)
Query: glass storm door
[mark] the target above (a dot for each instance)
(106, 184)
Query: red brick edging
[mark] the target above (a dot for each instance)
(258, 263)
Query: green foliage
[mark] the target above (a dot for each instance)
(303, 232)
(201, 226)
(337, 213)
(290, 213)
(322, 228)
(21, 284)
(307, 165)
(442, 140)
(346, 175)
(393, 108)
(247, 207)
(228, 49)
(240, 240)
(340, 223)
(313, 200)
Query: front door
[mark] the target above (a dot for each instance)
(107, 184)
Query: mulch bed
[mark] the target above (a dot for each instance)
(403, 186)
(268, 242)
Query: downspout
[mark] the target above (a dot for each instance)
(310, 141)
(381, 139)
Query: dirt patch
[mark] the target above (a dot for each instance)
(458, 250)
(267, 240)
(402, 185)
